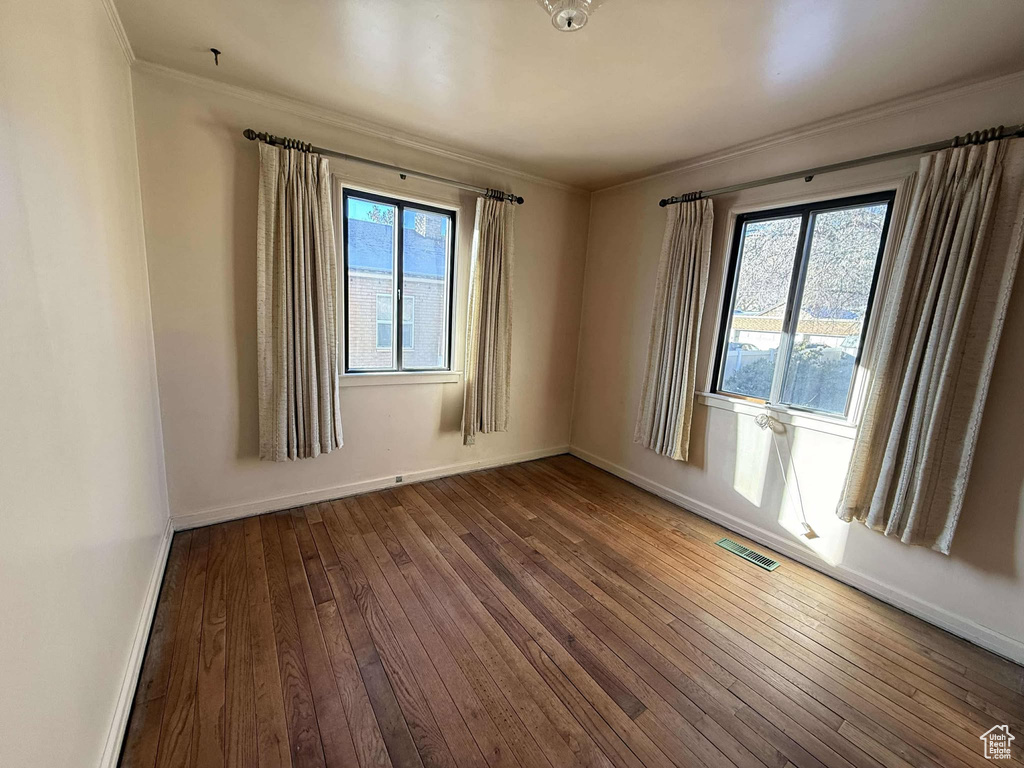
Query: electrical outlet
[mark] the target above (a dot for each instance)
(398, 478)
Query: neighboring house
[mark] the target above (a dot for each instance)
(997, 742)
(762, 329)
(370, 296)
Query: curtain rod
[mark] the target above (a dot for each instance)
(978, 137)
(283, 141)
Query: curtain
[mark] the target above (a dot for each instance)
(489, 328)
(296, 307)
(666, 405)
(940, 328)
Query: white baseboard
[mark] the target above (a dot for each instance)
(247, 509)
(960, 626)
(123, 709)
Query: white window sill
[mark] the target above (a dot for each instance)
(802, 419)
(396, 378)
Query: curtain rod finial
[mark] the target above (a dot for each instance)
(663, 202)
(250, 134)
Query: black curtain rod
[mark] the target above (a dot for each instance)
(284, 141)
(978, 137)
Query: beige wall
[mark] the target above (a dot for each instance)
(199, 182)
(83, 504)
(977, 591)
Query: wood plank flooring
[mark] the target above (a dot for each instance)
(540, 615)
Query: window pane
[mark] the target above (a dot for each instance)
(425, 288)
(837, 287)
(767, 254)
(372, 244)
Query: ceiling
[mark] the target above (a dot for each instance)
(646, 84)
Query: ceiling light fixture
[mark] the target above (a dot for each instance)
(569, 15)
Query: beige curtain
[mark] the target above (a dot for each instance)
(666, 405)
(296, 307)
(943, 313)
(489, 327)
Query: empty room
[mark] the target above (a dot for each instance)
(511, 384)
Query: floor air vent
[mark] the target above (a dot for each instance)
(748, 554)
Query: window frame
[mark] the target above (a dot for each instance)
(794, 296)
(400, 205)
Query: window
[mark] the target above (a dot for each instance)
(384, 315)
(408, 323)
(392, 272)
(800, 285)
(384, 310)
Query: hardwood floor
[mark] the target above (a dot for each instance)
(540, 615)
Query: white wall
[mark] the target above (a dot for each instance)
(199, 184)
(977, 591)
(83, 507)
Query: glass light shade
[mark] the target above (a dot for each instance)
(569, 15)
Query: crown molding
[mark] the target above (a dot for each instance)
(119, 32)
(337, 119)
(308, 110)
(911, 103)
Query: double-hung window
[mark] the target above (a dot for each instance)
(798, 298)
(399, 260)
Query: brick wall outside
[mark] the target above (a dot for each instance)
(429, 342)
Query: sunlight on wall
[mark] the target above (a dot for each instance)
(813, 468)
(753, 453)
(816, 463)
